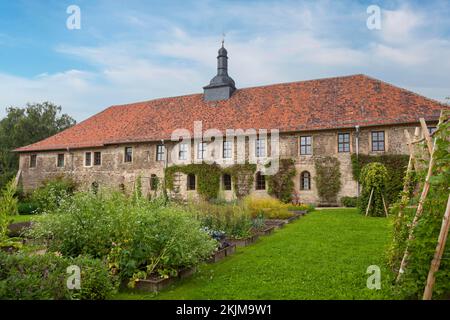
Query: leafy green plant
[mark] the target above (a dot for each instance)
(281, 184)
(395, 164)
(30, 276)
(373, 177)
(422, 246)
(268, 207)
(52, 192)
(8, 207)
(301, 207)
(132, 233)
(349, 202)
(328, 178)
(232, 218)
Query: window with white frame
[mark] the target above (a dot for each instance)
(305, 145)
(201, 150)
(87, 159)
(378, 141)
(182, 151)
(227, 149)
(160, 152)
(260, 147)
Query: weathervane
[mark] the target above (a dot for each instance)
(223, 38)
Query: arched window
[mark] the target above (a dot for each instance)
(305, 181)
(226, 179)
(191, 181)
(94, 187)
(260, 181)
(154, 181)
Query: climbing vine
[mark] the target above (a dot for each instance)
(281, 184)
(328, 179)
(208, 177)
(373, 179)
(423, 244)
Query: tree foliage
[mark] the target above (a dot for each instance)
(23, 126)
(374, 177)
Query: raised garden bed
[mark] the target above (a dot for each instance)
(222, 253)
(155, 284)
(245, 241)
(266, 231)
(16, 229)
(277, 223)
(299, 212)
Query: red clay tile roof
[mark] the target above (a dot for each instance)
(329, 103)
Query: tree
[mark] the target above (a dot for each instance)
(23, 126)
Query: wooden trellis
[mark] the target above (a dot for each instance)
(431, 147)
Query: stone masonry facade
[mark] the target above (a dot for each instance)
(114, 173)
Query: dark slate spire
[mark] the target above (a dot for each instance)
(222, 85)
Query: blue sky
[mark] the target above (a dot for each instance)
(129, 51)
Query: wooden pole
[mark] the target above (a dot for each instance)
(370, 200)
(423, 196)
(440, 248)
(384, 205)
(426, 135)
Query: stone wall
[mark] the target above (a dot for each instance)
(114, 172)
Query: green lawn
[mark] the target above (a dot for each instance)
(324, 255)
(21, 218)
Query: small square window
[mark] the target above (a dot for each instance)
(344, 142)
(305, 145)
(60, 161)
(97, 158)
(33, 161)
(128, 154)
(378, 141)
(87, 159)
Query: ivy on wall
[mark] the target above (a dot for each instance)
(328, 179)
(208, 177)
(396, 167)
(281, 184)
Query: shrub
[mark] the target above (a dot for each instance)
(25, 277)
(52, 192)
(8, 206)
(232, 218)
(135, 234)
(395, 164)
(281, 184)
(328, 179)
(373, 177)
(270, 208)
(26, 208)
(301, 207)
(350, 202)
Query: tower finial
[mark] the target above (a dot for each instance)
(223, 38)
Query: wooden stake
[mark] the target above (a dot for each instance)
(384, 204)
(423, 196)
(370, 200)
(17, 178)
(440, 248)
(426, 135)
